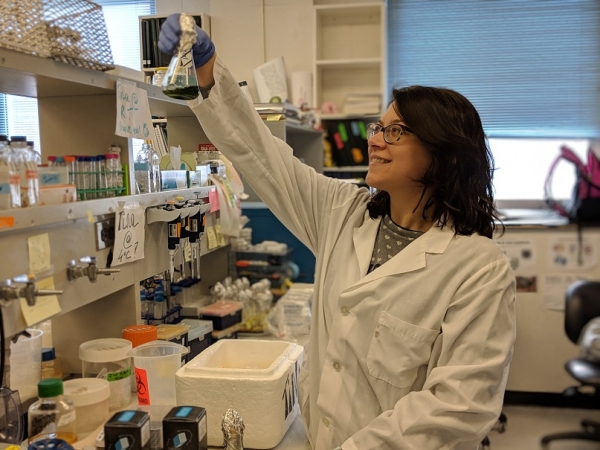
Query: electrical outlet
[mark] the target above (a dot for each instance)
(105, 233)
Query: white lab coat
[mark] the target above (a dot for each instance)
(412, 356)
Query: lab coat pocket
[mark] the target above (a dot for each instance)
(398, 349)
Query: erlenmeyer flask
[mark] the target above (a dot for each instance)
(180, 81)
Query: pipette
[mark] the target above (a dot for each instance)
(194, 236)
(183, 235)
(172, 238)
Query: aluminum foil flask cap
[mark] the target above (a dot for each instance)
(232, 426)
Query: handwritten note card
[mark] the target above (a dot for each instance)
(129, 234)
(133, 113)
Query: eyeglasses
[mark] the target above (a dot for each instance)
(391, 133)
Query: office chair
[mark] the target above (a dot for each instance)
(582, 304)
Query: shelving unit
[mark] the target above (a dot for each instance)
(350, 51)
(77, 108)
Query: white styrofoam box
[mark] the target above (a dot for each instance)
(258, 378)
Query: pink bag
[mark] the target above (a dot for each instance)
(584, 205)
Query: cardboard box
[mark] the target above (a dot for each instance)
(58, 193)
(173, 179)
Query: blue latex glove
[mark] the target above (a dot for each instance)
(168, 41)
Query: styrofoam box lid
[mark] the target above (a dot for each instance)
(222, 308)
(86, 391)
(198, 328)
(105, 350)
(243, 358)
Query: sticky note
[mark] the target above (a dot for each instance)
(39, 253)
(211, 235)
(45, 306)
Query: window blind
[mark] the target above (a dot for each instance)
(122, 24)
(531, 68)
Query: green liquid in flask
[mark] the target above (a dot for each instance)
(182, 93)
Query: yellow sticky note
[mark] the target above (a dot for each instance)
(220, 237)
(90, 216)
(212, 238)
(45, 306)
(39, 253)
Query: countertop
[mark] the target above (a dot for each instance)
(294, 439)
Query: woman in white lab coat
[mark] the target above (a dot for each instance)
(413, 311)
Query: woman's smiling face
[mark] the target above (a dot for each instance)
(395, 167)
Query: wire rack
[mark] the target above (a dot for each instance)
(71, 31)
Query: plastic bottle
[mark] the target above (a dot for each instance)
(52, 413)
(51, 366)
(10, 186)
(28, 169)
(36, 156)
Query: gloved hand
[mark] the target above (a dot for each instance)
(168, 41)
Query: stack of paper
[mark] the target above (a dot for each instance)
(362, 103)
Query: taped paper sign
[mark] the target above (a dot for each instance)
(133, 113)
(129, 234)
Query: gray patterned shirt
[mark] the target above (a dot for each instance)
(391, 239)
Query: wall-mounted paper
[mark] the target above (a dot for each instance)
(129, 234)
(270, 80)
(133, 113)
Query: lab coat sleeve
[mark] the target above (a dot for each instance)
(462, 395)
(299, 197)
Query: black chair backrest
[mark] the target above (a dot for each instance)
(582, 304)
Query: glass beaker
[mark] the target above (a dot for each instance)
(180, 82)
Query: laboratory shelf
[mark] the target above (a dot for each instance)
(68, 212)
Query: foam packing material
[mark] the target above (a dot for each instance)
(258, 378)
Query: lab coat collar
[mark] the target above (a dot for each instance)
(411, 258)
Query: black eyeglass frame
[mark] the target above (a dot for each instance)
(372, 132)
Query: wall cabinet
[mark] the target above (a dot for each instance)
(349, 54)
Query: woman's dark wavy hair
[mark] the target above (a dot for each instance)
(460, 175)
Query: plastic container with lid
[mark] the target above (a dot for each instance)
(109, 359)
(140, 334)
(90, 398)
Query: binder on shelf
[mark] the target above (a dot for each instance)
(161, 141)
(146, 45)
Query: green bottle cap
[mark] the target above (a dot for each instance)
(50, 387)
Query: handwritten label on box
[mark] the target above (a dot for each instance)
(133, 113)
(129, 234)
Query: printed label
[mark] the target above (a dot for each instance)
(115, 376)
(49, 178)
(202, 428)
(141, 379)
